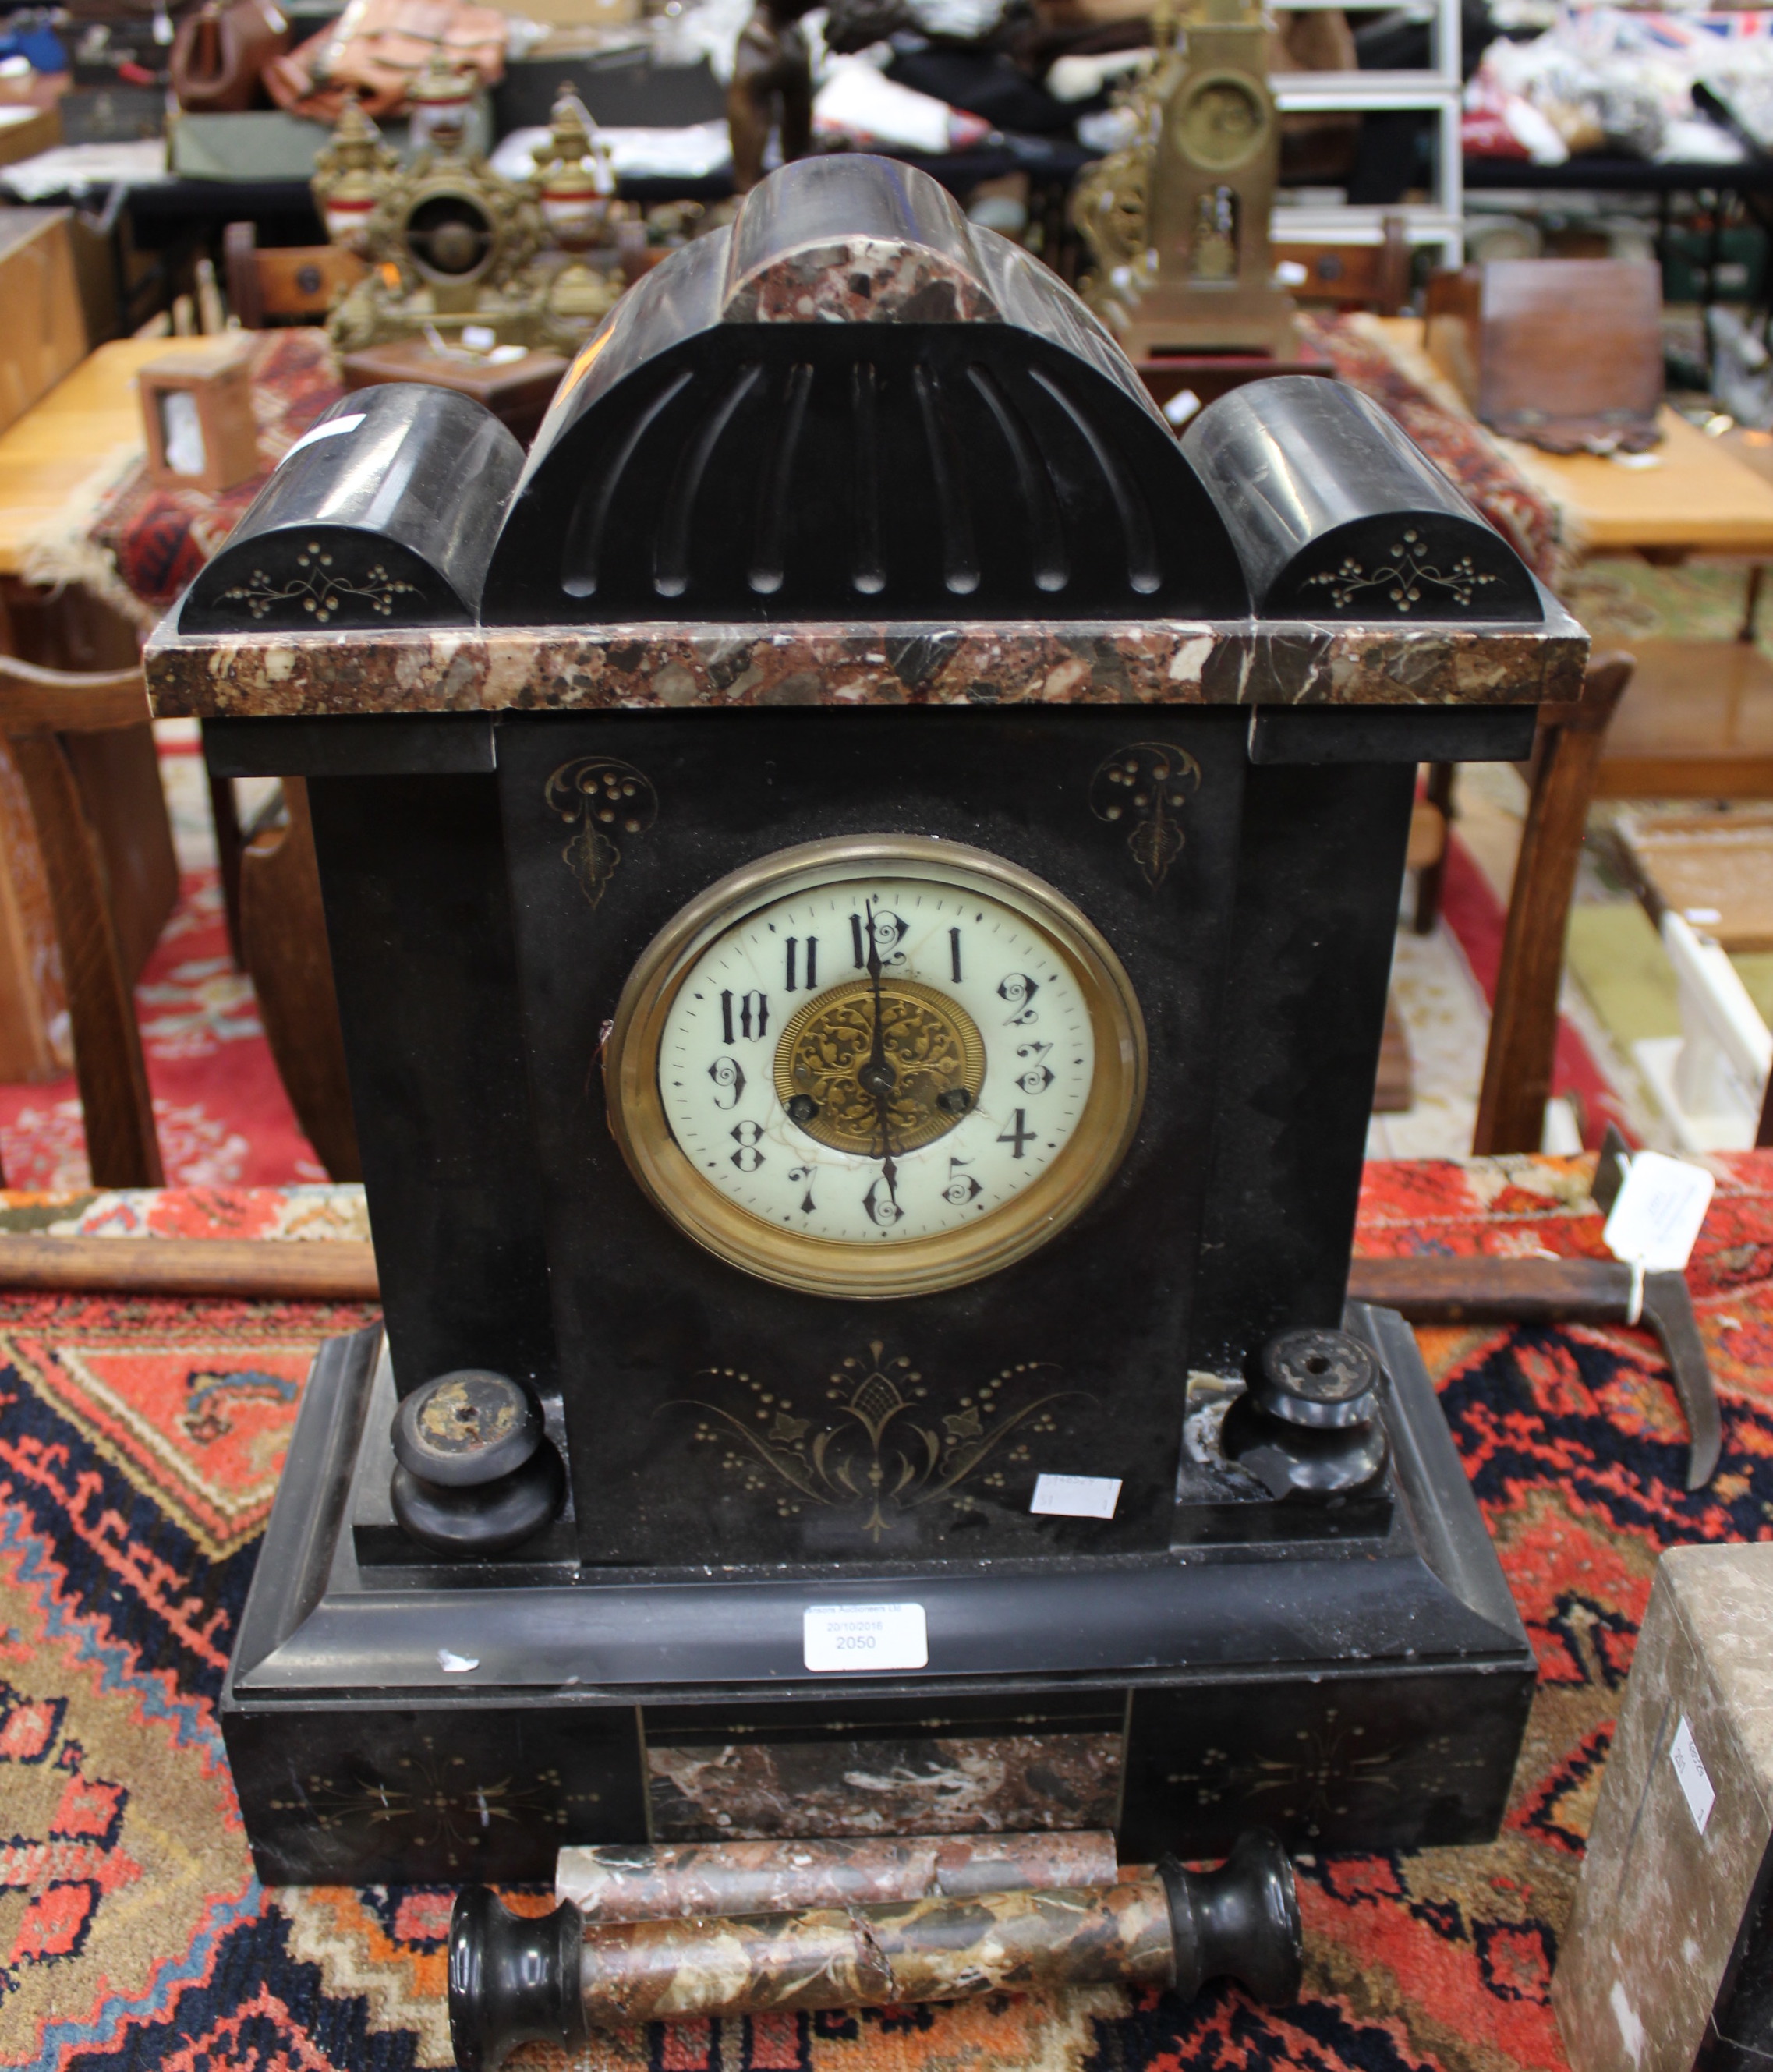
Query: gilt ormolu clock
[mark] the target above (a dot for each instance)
(861, 878)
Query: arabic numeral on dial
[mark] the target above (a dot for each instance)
(1017, 992)
(728, 1076)
(962, 1188)
(798, 1174)
(748, 1013)
(886, 930)
(1018, 1134)
(1036, 1078)
(747, 1136)
(883, 1210)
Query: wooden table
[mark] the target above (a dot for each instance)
(80, 434)
(1699, 499)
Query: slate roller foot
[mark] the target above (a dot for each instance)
(1308, 1425)
(556, 1980)
(475, 1473)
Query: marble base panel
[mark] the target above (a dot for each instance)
(1667, 1962)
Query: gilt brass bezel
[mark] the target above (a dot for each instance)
(882, 1270)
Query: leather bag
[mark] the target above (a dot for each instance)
(219, 53)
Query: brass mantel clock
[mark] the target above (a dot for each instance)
(876, 1066)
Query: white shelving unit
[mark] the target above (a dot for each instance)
(1435, 90)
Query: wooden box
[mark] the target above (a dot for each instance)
(1566, 353)
(42, 330)
(197, 411)
(516, 392)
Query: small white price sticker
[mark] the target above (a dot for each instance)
(846, 1636)
(1696, 1784)
(1075, 1496)
(1658, 1212)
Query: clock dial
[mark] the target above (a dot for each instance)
(876, 1066)
(935, 1079)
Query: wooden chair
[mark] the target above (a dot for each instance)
(283, 284)
(283, 939)
(1517, 1064)
(50, 719)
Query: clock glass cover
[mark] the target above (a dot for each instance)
(876, 1066)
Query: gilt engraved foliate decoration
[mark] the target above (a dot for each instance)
(1145, 786)
(428, 1801)
(603, 798)
(1302, 1787)
(321, 589)
(1402, 578)
(875, 1445)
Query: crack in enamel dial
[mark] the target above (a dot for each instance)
(876, 1066)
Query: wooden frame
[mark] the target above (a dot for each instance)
(40, 710)
(1517, 1064)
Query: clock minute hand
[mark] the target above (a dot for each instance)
(877, 1075)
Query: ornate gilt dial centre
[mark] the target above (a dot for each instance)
(926, 1081)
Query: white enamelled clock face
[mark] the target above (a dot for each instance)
(876, 1066)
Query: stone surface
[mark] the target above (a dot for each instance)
(922, 1784)
(653, 668)
(876, 1956)
(1661, 1902)
(644, 1884)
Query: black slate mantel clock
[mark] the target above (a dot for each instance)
(861, 876)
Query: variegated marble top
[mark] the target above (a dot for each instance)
(1242, 662)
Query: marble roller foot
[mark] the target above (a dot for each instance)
(665, 1883)
(557, 1979)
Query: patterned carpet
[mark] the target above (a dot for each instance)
(139, 1443)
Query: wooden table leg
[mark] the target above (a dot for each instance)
(122, 1148)
(1432, 877)
(225, 811)
(1517, 1065)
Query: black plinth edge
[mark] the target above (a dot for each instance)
(312, 1496)
(383, 514)
(1337, 515)
(1434, 1597)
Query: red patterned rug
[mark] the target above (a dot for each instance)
(139, 1442)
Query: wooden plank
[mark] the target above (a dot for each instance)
(329, 1270)
(42, 327)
